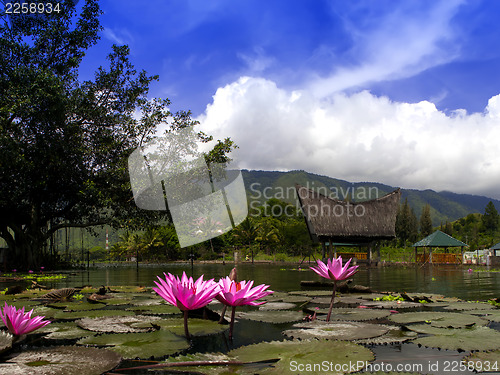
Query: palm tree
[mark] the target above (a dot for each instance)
(247, 232)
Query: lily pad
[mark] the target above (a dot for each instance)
(117, 301)
(140, 345)
(468, 306)
(492, 316)
(62, 360)
(64, 331)
(205, 369)
(162, 309)
(130, 289)
(312, 293)
(72, 315)
(275, 317)
(355, 314)
(115, 324)
(295, 299)
(439, 319)
(478, 338)
(277, 306)
(392, 304)
(77, 306)
(336, 330)
(197, 327)
(394, 335)
(338, 353)
(45, 311)
(484, 361)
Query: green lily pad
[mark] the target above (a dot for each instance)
(336, 330)
(76, 306)
(324, 300)
(116, 324)
(394, 335)
(206, 369)
(356, 314)
(140, 345)
(61, 360)
(6, 340)
(295, 299)
(468, 306)
(492, 316)
(130, 289)
(392, 304)
(293, 353)
(45, 311)
(197, 327)
(275, 317)
(477, 338)
(72, 315)
(428, 329)
(439, 319)
(484, 361)
(155, 309)
(277, 306)
(117, 301)
(64, 331)
(312, 293)
(275, 297)
(27, 304)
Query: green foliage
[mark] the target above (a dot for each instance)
(389, 298)
(490, 218)
(406, 224)
(426, 221)
(65, 142)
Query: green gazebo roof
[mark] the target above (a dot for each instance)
(439, 239)
(496, 247)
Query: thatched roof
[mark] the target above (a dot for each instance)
(331, 219)
(496, 247)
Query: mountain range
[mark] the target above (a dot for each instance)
(445, 205)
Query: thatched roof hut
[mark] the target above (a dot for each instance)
(330, 219)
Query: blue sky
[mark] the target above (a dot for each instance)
(403, 93)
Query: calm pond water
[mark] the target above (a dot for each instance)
(449, 280)
(452, 281)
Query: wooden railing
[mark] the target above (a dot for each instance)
(346, 256)
(440, 258)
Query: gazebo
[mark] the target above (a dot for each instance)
(332, 221)
(439, 239)
(496, 248)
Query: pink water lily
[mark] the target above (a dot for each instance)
(185, 293)
(333, 270)
(18, 322)
(241, 293)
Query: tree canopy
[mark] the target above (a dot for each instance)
(64, 143)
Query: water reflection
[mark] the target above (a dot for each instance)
(441, 279)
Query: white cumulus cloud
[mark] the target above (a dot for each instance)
(358, 137)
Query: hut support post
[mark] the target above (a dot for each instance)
(323, 248)
(461, 255)
(330, 249)
(416, 254)
(369, 254)
(430, 255)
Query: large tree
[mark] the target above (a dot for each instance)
(64, 143)
(490, 219)
(426, 221)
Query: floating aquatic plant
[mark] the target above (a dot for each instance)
(333, 270)
(186, 294)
